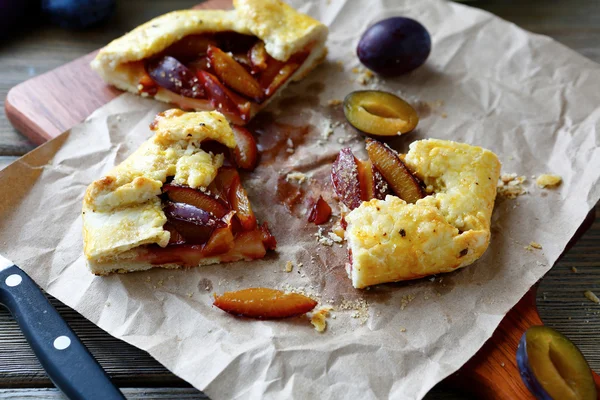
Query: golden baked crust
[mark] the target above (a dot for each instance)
(391, 240)
(122, 211)
(283, 30)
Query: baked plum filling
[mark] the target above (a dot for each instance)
(216, 222)
(227, 71)
(355, 181)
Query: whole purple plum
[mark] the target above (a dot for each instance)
(394, 46)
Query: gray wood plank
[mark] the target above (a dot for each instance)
(6, 160)
(168, 393)
(36, 51)
(130, 393)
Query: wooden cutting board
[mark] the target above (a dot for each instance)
(47, 105)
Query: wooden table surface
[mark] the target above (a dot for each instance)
(39, 48)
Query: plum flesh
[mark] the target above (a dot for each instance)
(552, 367)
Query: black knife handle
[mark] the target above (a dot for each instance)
(66, 360)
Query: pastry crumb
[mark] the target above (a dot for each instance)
(334, 102)
(511, 185)
(296, 176)
(591, 296)
(444, 115)
(319, 318)
(535, 245)
(322, 239)
(402, 329)
(360, 308)
(326, 129)
(406, 300)
(335, 237)
(548, 181)
(289, 266)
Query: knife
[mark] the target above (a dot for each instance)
(66, 360)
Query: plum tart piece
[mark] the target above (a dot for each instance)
(412, 234)
(230, 61)
(173, 203)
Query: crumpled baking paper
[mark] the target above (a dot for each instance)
(487, 82)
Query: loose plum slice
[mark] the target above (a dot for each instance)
(174, 76)
(379, 113)
(233, 106)
(319, 212)
(233, 74)
(552, 367)
(264, 303)
(344, 177)
(372, 184)
(245, 153)
(194, 224)
(196, 198)
(403, 183)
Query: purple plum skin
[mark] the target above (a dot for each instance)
(527, 374)
(394, 46)
(169, 73)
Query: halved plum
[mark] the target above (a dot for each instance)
(552, 367)
(232, 74)
(320, 212)
(245, 154)
(344, 177)
(194, 224)
(372, 184)
(224, 100)
(379, 113)
(172, 75)
(403, 183)
(196, 198)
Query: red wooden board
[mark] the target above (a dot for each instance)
(47, 105)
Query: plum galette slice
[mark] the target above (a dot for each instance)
(174, 202)
(232, 61)
(413, 215)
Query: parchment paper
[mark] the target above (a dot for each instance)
(487, 82)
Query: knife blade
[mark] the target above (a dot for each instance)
(68, 363)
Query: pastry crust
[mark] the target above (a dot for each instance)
(122, 211)
(390, 240)
(283, 30)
